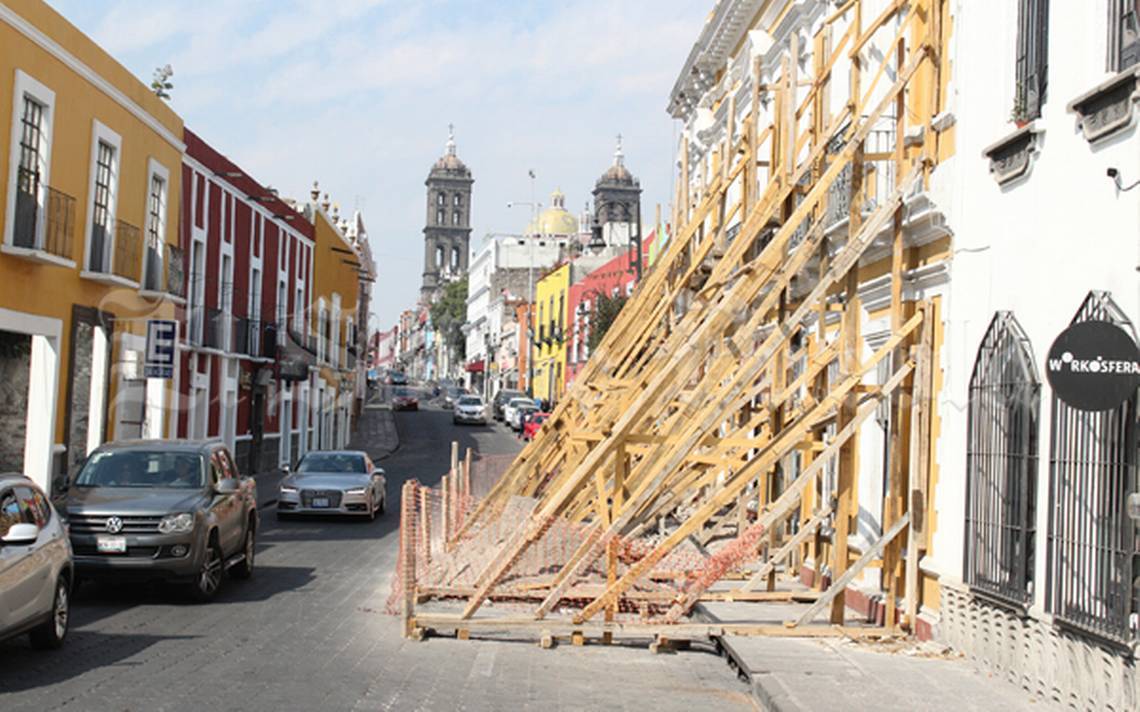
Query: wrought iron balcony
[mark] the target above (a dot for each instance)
(213, 328)
(48, 228)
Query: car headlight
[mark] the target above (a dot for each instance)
(176, 523)
(288, 490)
(355, 490)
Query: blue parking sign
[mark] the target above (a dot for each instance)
(161, 335)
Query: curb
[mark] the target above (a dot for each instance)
(399, 440)
(770, 696)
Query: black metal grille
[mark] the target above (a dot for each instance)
(333, 496)
(1032, 57)
(1094, 550)
(97, 523)
(1001, 464)
(29, 178)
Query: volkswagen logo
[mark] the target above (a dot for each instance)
(114, 525)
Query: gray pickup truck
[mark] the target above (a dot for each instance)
(163, 509)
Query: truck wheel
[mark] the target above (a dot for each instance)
(209, 577)
(50, 633)
(244, 568)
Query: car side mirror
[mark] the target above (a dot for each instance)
(227, 486)
(21, 533)
(286, 470)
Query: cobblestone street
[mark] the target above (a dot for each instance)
(308, 631)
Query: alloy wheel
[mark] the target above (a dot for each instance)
(210, 577)
(62, 610)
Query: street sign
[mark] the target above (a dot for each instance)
(1094, 366)
(161, 335)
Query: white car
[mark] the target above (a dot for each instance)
(512, 410)
(333, 482)
(36, 569)
(470, 409)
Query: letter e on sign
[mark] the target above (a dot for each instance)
(1094, 366)
(161, 335)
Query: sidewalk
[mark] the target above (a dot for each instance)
(806, 675)
(376, 432)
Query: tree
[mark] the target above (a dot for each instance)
(605, 310)
(161, 84)
(449, 314)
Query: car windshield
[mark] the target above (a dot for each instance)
(504, 396)
(520, 402)
(140, 468)
(471, 400)
(332, 462)
(403, 393)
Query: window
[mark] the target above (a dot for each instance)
(1032, 58)
(102, 221)
(457, 200)
(29, 178)
(454, 258)
(1001, 464)
(1094, 548)
(455, 218)
(438, 257)
(439, 199)
(9, 512)
(155, 228)
(1123, 34)
(439, 217)
(33, 504)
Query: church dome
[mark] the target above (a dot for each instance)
(449, 164)
(618, 174)
(555, 220)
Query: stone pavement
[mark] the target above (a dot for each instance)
(826, 674)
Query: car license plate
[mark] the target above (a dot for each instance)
(320, 501)
(111, 544)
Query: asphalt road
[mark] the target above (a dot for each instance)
(308, 632)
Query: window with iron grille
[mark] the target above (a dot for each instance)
(1001, 465)
(1123, 34)
(1032, 58)
(156, 206)
(101, 221)
(1094, 548)
(29, 176)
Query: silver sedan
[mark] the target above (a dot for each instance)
(333, 482)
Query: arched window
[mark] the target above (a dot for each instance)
(1094, 548)
(439, 256)
(1001, 464)
(458, 200)
(455, 218)
(439, 199)
(454, 258)
(439, 217)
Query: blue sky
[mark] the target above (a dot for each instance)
(358, 94)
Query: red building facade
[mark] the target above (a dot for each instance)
(249, 273)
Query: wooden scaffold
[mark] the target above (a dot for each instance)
(708, 449)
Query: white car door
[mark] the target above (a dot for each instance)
(19, 575)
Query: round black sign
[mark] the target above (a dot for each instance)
(1094, 366)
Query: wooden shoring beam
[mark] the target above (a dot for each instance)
(840, 584)
(653, 389)
(921, 410)
(793, 493)
(779, 447)
(780, 554)
(749, 371)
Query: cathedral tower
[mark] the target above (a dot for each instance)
(447, 226)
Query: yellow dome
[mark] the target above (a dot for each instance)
(555, 220)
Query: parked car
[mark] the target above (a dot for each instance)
(511, 408)
(333, 482)
(36, 569)
(174, 510)
(470, 409)
(533, 424)
(405, 400)
(500, 401)
(520, 416)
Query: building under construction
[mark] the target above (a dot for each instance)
(831, 407)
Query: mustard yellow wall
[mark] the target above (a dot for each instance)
(550, 360)
(332, 274)
(50, 290)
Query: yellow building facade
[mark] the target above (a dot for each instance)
(336, 297)
(89, 251)
(549, 334)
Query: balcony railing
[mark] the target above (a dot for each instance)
(175, 271)
(247, 336)
(57, 219)
(127, 261)
(213, 331)
(152, 269)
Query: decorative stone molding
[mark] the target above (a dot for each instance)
(1041, 658)
(1108, 107)
(1012, 156)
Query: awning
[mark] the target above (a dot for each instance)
(475, 366)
